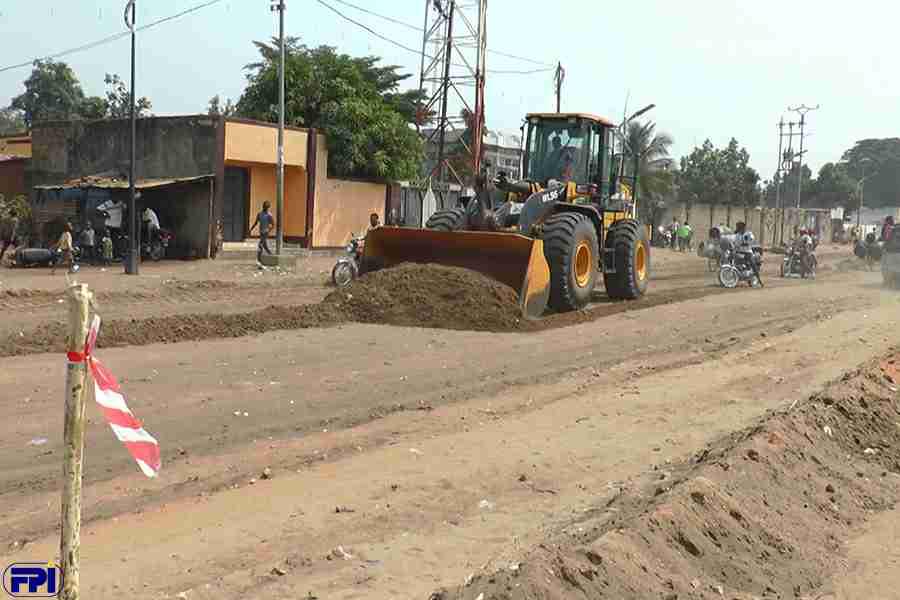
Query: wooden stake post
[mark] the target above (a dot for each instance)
(78, 298)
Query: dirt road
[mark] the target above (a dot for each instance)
(408, 459)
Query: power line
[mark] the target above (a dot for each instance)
(111, 38)
(419, 30)
(413, 50)
(380, 16)
(367, 28)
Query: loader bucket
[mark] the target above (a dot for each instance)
(512, 259)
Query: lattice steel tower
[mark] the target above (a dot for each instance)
(454, 46)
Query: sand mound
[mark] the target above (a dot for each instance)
(409, 295)
(763, 513)
(429, 296)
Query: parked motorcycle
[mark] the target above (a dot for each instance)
(347, 267)
(40, 257)
(662, 238)
(155, 249)
(737, 267)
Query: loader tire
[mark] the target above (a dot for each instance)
(572, 253)
(450, 219)
(631, 252)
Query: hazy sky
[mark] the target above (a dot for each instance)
(714, 68)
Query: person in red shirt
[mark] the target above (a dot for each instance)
(887, 229)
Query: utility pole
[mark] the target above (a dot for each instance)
(133, 260)
(778, 173)
(801, 110)
(279, 180)
(558, 78)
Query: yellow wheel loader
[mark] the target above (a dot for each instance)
(549, 236)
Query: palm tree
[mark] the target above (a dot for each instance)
(652, 151)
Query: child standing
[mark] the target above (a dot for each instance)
(106, 247)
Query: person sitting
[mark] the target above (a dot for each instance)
(374, 222)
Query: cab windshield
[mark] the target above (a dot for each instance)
(558, 150)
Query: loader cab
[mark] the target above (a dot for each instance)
(570, 147)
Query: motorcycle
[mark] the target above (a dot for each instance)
(347, 267)
(799, 261)
(869, 250)
(662, 238)
(41, 257)
(741, 266)
(156, 247)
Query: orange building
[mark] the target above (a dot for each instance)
(239, 156)
(318, 211)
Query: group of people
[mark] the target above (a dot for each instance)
(680, 235)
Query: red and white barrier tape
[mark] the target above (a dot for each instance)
(142, 446)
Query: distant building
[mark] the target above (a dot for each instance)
(194, 170)
(502, 152)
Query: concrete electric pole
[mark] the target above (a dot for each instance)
(133, 259)
(279, 181)
(801, 110)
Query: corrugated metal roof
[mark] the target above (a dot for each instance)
(114, 183)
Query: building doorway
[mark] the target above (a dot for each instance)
(237, 200)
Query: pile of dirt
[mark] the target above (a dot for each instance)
(409, 295)
(178, 328)
(416, 295)
(762, 513)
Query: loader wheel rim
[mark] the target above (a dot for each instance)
(640, 261)
(582, 265)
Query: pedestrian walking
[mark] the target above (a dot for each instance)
(65, 248)
(266, 221)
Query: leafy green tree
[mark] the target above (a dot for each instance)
(699, 178)
(93, 107)
(833, 186)
(215, 108)
(879, 160)
(789, 187)
(52, 91)
(11, 121)
(118, 100)
(355, 100)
